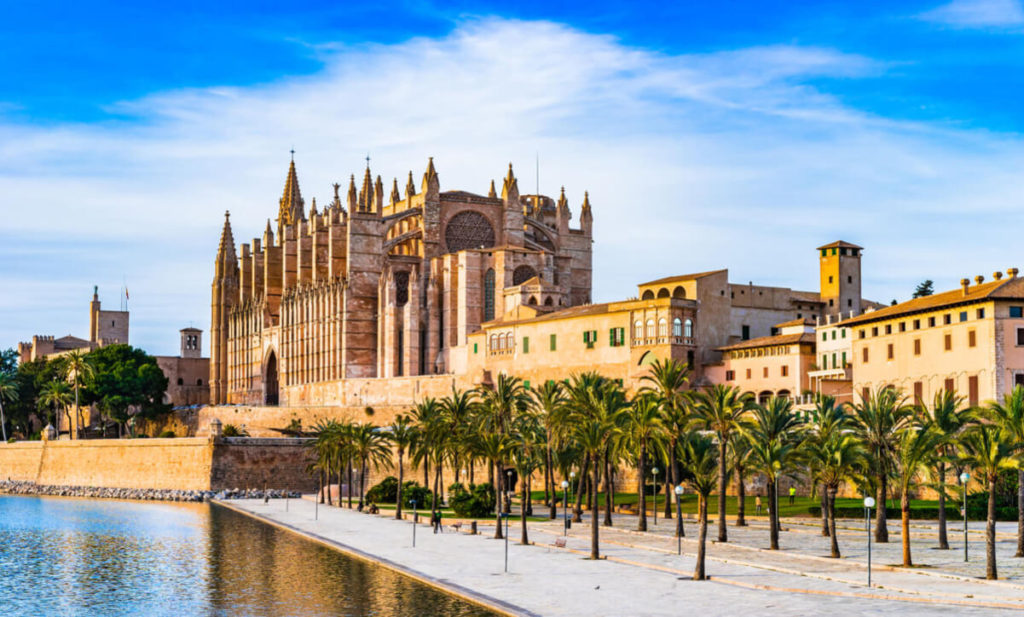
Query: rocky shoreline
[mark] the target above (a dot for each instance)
(10, 487)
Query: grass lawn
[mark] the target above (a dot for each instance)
(449, 513)
(689, 503)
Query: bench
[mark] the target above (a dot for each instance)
(559, 542)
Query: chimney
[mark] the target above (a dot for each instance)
(1012, 272)
(964, 283)
(979, 279)
(997, 275)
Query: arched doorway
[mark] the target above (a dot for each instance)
(270, 380)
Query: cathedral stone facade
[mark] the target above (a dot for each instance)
(385, 285)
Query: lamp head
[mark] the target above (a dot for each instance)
(679, 490)
(654, 471)
(565, 484)
(869, 502)
(964, 477)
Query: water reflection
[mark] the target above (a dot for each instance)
(81, 557)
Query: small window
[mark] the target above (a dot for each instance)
(730, 375)
(554, 342)
(864, 354)
(874, 331)
(849, 302)
(843, 333)
(830, 280)
(918, 392)
(824, 361)
(638, 329)
(950, 385)
(844, 361)
(833, 335)
(862, 333)
(1015, 311)
(963, 315)
(917, 324)
(824, 336)
(981, 313)
(662, 327)
(785, 371)
(526, 345)
(748, 373)
(677, 327)
(746, 333)
(181, 381)
(650, 328)
(947, 319)
(688, 328)
(903, 326)
(849, 279)
(890, 352)
(765, 371)
(199, 382)
(972, 338)
(931, 322)
(917, 347)
(1020, 336)
(888, 328)
(948, 342)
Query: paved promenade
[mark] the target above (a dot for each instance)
(643, 575)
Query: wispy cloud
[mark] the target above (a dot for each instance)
(978, 14)
(728, 159)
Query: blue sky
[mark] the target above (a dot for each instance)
(737, 135)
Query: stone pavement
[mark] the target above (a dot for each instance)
(642, 574)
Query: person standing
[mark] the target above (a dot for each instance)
(792, 495)
(757, 502)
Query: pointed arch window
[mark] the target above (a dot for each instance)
(638, 329)
(662, 327)
(650, 328)
(677, 327)
(489, 295)
(688, 328)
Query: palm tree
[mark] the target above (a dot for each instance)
(668, 379)
(721, 410)
(826, 419)
(495, 447)
(55, 394)
(527, 443)
(549, 403)
(837, 456)
(1009, 417)
(949, 417)
(985, 451)
(459, 407)
(773, 433)
(8, 392)
(499, 405)
(370, 448)
(739, 458)
(878, 420)
(403, 435)
(77, 370)
(697, 459)
(915, 452)
(645, 428)
(597, 424)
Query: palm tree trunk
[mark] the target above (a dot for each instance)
(905, 527)
(990, 532)
(773, 518)
(641, 524)
(881, 530)
(328, 485)
(831, 515)
(3, 422)
(78, 412)
(825, 529)
(362, 484)
(1020, 513)
(577, 513)
(723, 479)
(437, 489)
(398, 495)
(426, 473)
(321, 495)
(667, 513)
(698, 571)
(594, 554)
(348, 467)
(550, 472)
(524, 539)
(741, 495)
(496, 472)
(609, 491)
(943, 539)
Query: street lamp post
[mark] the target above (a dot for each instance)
(565, 511)
(508, 514)
(414, 515)
(869, 502)
(572, 480)
(679, 518)
(655, 472)
(964, 477)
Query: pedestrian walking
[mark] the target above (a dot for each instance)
(792, 495)
(757, 502)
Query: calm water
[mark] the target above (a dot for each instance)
(81, 557)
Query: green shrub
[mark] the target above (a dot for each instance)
(168, 434)
(386, 491)
(476, 502)
(230, 430)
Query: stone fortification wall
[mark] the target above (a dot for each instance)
(183, 464)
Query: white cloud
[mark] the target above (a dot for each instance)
(728, 159)
(978, 14)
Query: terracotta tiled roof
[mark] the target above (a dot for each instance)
(682, 277)
(797, 322)
(1005, 288)
(840, 243)
(770, 341)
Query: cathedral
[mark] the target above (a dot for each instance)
(384, 285)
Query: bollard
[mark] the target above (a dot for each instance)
(472, 528)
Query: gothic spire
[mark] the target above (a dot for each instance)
(410, 186)
(510, 189)
(312, 209)
(366, 192)
(395, 195)
(352, 199)
(291, 209)
(430, 183)
(492, 193)
(227, 260)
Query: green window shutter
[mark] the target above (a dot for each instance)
(474, 347)
(611, 337)
(844, 360)
(554, 342)
(526, 345)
